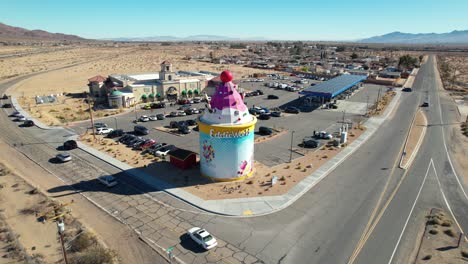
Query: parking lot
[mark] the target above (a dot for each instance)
(269, 152)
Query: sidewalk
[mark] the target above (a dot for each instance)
(242, 206)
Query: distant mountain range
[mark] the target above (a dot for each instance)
(9, 33)
(189, 38)
(454, 37)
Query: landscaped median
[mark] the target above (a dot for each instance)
(414, 139)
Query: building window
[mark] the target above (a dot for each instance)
(167, 68)
(170, 77)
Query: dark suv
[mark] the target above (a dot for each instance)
(70, 144)
(141, 130)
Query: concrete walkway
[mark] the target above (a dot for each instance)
(241, 206)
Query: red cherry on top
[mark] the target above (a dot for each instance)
(226, 76)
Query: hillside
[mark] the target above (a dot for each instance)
(454, 37)
(10, 33)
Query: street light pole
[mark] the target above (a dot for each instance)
(61, 229)
(115, 119)
(291, 149)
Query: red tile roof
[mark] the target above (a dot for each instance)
(166, 62)
(97, 78)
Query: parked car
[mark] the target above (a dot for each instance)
(126, 138)
(160, 116)
(183, 102)
(144, 118)
(260, 92)
(173, 114)
(292, 110)
(184, 130)
(131, 142)
(116, 133)
(147, 144)
(158, 105)
(153, 118)
(181, 124)
(309, 143)
(70, 144)
(276, 114)
(162, 152)
(15, 114)
(104, 130)
(191, 122)
(264, 117)
(155, 148)
(138, 144)
(256, 110)
(173, 124)
(265, 131)
(63, 157)
(98, 125)
(146, 107)
(141, 130)
(202, 237)
(28, 123)
(181, 113)
(197, 100)
(7, 105)
(5, 97)
(425, 104)
(323, 135)
(108, 180)
(272, 96)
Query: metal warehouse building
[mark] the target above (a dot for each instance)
(330, 89)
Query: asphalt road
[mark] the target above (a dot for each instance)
(325, 225)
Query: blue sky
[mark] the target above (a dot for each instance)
(291, 19)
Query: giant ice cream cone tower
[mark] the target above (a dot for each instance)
(227, 135)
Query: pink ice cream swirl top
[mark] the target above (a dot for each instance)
(227, 105)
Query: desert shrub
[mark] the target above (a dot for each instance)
(33, 191)
(67, 109)
(433, 232)
(427, 257)
(249, 182)
(434, 221)
(15, 185)
(446, 223)
(53, 111)
(449, 232)
(94, 255)
(464, 253)
(4, 171)
(82, 242)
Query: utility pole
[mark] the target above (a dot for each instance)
(136, 117)
(115, 119)
(61, 229)
(344, 113)
(292, 138)
(367, 106)
(91, 116)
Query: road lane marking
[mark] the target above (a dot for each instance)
(411, 212)
(436, 72)
(365, 235)
(447, 203)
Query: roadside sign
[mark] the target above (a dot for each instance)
(274, 180)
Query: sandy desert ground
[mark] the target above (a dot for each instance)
(105, 61)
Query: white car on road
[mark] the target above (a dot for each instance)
(64, 157)
(104, 130)
(108, 180)
(144, 118)
(202, 237)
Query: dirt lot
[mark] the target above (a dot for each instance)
(414, 137)
(379, 107)
(132, 59)
(190, 180)
(441, 241)
(66, 110)
(107, 229)
(454, 73)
